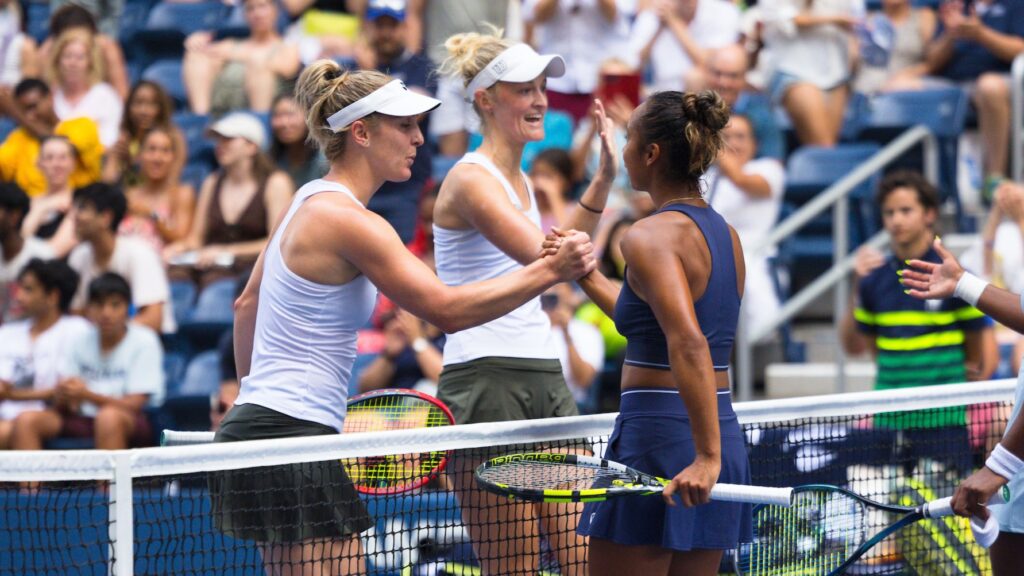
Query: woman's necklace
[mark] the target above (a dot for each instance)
(679, 199)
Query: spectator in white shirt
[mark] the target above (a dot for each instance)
(98, 210)
(15, 250)
(32, 348)
(747, 192)
(76, 70)
(579, 345)
(108, 376)
(585, 33)
(676, 37)
(811, 43)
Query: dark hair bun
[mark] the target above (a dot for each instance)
(707, 109)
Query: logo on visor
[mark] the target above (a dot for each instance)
(500, 67)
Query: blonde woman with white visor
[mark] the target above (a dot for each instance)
(486, 223)
(313, 287)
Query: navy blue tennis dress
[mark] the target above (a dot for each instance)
(652, 432)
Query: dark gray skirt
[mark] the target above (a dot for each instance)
(287, 503)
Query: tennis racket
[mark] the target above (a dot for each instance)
(827, 529)
(395, 409)
(554, 477)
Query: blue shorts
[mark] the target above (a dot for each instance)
(652, 434)
(781, 82)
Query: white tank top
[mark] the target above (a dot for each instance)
(305, 341)
(465, 256)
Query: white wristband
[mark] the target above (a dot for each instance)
(969, 288)
(1004, 462)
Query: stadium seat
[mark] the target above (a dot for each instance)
(37, 20)
(195, 173)
(133, 18)
(193, 128)
(7, 126)
(183, 295)
(202, 376)
(167, 73)
(943, 111)
(212, 314)
(187, 17)
(175, 364)
(809, 171)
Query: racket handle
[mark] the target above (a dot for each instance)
(752, 494)
(184, 438)
(943, 506)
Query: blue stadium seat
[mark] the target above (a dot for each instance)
(202, 377)
(943, 111)
(195, 173)
(37, 20)
(212, 314)
(809, 171)
(6, 127)
(193, 128)
(167, 73)
(133, 18)
(187, 17)
(175, 364)
(183, 295)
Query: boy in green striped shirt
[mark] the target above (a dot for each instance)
(916, 342)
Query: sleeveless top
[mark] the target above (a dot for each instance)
(465, 256)
(305, 338)
(718, 309)
(251, 224)
(908, 47)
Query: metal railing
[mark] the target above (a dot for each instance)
(1017, 119)
(835, 197)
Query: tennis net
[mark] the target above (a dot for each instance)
(68, 512)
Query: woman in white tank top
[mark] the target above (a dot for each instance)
(486, 223)
(313, 287)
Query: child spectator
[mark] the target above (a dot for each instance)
(34, 347)
(108, 376)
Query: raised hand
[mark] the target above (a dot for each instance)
(608, 166)
(930, 281)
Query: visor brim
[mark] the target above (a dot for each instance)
(409, 104)
(549, 65)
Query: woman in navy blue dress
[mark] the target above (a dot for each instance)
(678, 309)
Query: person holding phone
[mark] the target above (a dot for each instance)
(584, 33)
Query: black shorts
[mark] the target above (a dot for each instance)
(287, 503)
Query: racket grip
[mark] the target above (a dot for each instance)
(184, 438)
(943, 506)
(752, 494)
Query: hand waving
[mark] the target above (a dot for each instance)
(930, 281)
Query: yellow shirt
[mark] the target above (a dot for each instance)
(20, 152)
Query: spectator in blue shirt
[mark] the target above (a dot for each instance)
(387, 35)
(727, 71)
(975, 46)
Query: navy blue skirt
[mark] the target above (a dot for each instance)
(652, 434)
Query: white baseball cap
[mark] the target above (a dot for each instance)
(240, 125)
(520, 63)
(391, 99)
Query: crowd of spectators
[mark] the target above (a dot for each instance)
(118, 192)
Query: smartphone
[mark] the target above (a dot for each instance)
(626, 85)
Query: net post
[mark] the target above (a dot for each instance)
(121, 517)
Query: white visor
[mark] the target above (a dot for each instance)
(392, 99)
(519, 63)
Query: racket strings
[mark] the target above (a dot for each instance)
(538, 475)
(813, 537)
(394, 412)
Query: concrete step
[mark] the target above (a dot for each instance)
(809, 379)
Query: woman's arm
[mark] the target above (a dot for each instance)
(595, 197)
(197, 232)
(29, 58)
(373, 247)
(64, 239)
(183, 203)
(180, 154)
(113, 59)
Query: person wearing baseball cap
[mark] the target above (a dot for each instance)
(314, 286)
(486, 222)
(238, 204)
